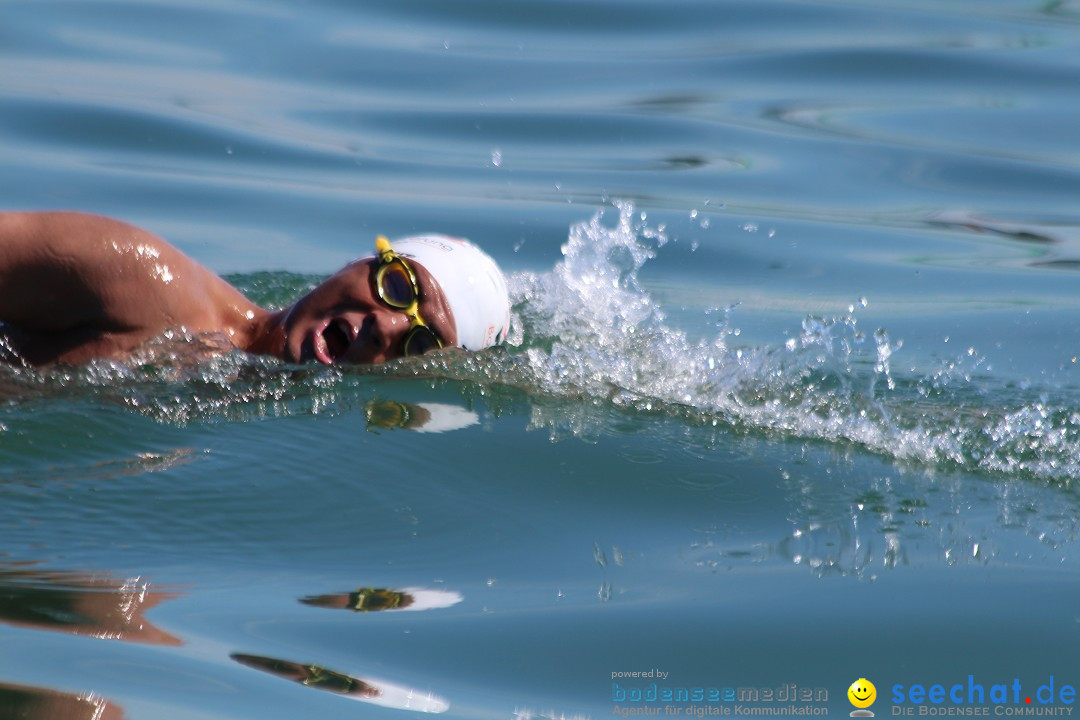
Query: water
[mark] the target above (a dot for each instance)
(791, 397)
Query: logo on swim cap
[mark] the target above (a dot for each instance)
(472, 283)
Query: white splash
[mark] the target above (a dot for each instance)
(589, 329)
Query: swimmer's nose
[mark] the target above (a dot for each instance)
(379, 334)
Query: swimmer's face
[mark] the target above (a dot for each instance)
(344, 321)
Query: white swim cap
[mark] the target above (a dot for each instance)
(473, 285)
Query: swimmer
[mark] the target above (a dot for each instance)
(75, 287)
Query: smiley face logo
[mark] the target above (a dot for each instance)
(862, 693)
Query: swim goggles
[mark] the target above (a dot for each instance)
(373, 599)
(395, 282)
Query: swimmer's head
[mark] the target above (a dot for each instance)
(445, 292)
(471, 282)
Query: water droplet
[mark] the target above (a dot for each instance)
(604, 593)
(599, 556)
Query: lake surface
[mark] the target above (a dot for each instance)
(791, 397)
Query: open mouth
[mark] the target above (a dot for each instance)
(334, 341)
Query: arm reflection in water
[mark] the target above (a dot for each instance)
(20, 701)
(81, 604)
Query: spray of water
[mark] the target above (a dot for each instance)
(588, 328)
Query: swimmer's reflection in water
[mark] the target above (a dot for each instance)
(362, 600)
(76, 287)
(81, 604)
(310, 675)
(370, 599)
(376, 692)
(31, 703)
(419, 417)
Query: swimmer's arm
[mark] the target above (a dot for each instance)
(66, 272)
